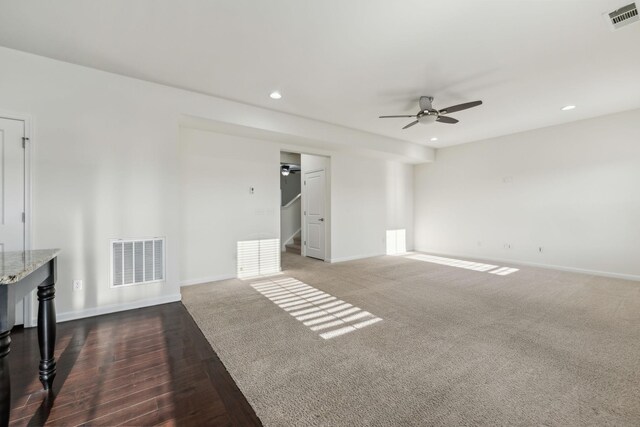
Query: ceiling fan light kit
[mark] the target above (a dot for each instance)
(428, 114)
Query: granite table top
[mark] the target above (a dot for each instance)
(15, 266)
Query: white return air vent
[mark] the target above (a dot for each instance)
(622, 17)
(134, 262)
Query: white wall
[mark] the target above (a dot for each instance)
(368, 197)
(219, 209)
(399, 200)
(103, 167)
(573, 190)
(106, 165)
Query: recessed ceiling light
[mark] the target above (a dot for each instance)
(275, 95)
(434, 139)
(568, 107)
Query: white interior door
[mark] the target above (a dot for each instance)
(314, 214)
(12, 189)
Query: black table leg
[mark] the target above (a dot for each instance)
(5, 383)
(47, 332)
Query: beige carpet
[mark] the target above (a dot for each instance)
(454, 347)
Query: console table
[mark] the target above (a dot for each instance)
(21, 273)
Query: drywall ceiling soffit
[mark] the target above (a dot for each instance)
(346, 63)
(404, 152)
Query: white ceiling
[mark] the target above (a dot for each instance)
(347, 62)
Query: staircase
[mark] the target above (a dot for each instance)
(295, 247)
(290, 223)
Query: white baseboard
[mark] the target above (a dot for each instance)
(114, 308)
(209, 279)
(353, 258)
(539, 265)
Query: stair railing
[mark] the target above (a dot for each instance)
(292, 201)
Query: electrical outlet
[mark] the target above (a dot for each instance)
(507, 245)
(77, 285)
(540, 249)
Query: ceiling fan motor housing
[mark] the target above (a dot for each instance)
(427, 116)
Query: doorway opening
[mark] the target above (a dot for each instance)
(305, 205)
(290, 203)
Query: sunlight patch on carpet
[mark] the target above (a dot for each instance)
(319, 311)
(504, 271)
(467, 265)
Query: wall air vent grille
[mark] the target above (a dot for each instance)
(622, 17)
(134, 262)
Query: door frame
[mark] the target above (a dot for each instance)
(29, 306)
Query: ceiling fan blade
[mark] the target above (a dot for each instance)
(460, 107)
(443, 119)
(393, 117)
(410, 124)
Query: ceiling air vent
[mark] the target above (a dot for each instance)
(622, 17)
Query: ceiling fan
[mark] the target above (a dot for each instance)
(428, 114)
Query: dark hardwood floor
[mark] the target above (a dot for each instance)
(148, 366)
